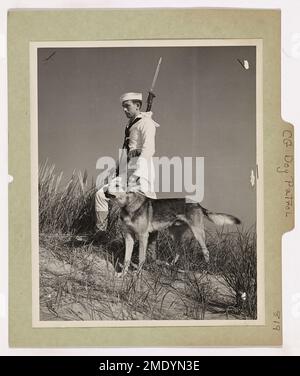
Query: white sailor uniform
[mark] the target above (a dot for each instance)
(139, 144)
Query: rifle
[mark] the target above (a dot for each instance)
(151, 95)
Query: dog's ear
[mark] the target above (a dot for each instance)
(135, 199)
(130, 197)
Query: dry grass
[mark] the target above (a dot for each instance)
(67, 209)
(79, 281)
(235, 261)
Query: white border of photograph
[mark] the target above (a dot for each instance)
(259, 181)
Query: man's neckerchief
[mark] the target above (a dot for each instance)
(127, 133)
(126, 141)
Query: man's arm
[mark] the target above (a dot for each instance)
(148, 131)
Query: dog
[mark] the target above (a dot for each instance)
(143, 217)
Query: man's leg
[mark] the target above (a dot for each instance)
(101, 207)
(151, 249)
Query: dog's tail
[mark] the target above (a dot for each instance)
(221, 219)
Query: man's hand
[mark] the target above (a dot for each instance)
(133, 183)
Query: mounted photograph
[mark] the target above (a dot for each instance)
(147, 183)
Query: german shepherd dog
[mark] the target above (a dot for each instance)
(143, 216)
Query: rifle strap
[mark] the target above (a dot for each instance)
(127, 133)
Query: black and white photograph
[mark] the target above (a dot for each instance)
(146, 176)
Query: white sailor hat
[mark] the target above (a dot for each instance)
(131, 97)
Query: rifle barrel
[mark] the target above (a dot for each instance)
(156, 74)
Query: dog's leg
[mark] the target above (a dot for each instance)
(129, 243)
(177, 232)
(200, 236)
(151, 248)
(143, 242)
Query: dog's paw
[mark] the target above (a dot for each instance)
(122, 274)
(174, 262)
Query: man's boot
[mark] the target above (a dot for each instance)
(101, 226)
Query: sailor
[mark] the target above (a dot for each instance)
(135, 169)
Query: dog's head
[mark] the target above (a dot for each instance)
(117, 190)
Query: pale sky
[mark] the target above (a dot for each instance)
(205, 106)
